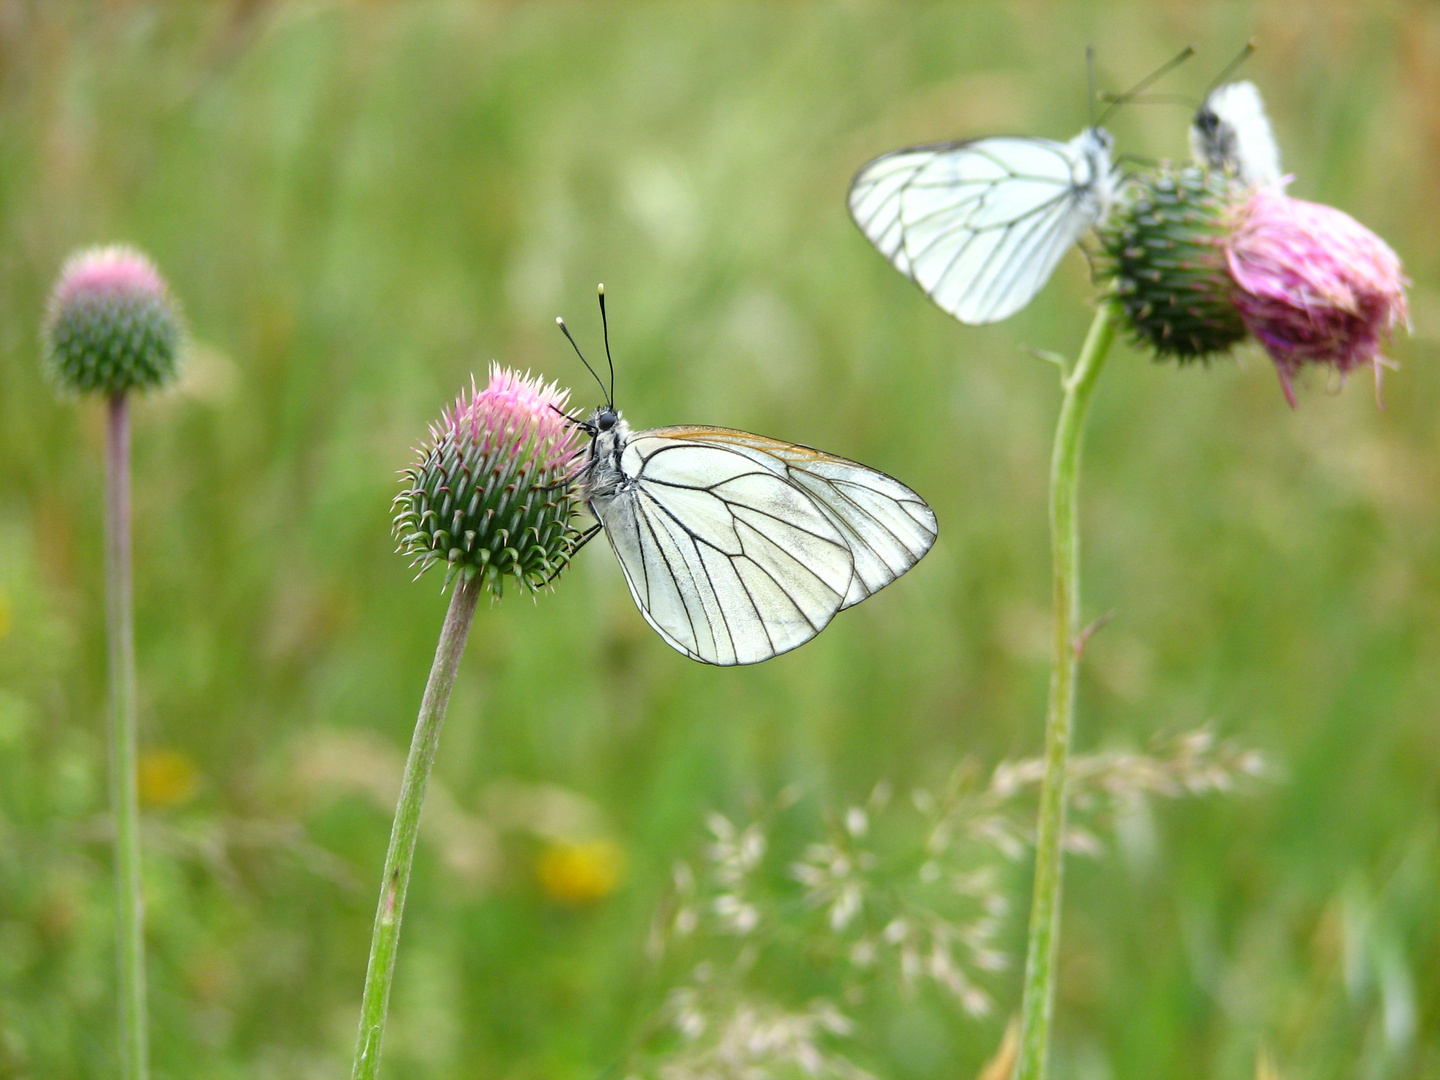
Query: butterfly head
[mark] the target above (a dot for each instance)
(608, 430)
(606, 423)
(1212, 140)
(1093, 145)
(1207, 121)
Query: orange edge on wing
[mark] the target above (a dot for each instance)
(720, 435)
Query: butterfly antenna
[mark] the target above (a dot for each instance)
(566, 331)
(605, 329)
(1149, 80)
(1229, 68)
(1090, 80)
(1150, 99)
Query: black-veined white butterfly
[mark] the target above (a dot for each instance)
(1231, 131)
(980, 225)
(737, 547)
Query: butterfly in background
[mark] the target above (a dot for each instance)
(1231, 131)
(981, 224)
(737, 547)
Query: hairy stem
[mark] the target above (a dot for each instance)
(1060, 714)
(385, 939)
(124, 802)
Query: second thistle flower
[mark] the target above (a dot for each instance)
(1313, 285)
(1199, 261)
(493, 493)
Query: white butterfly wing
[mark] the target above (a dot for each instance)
(1232, 131)
(728, 561)
(737, 548)
(980, 226)
(887, 526)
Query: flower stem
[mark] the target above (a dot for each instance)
(1060, 714)
(124, 802)
(385, 938)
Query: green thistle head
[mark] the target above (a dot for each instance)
(111, 325)
(1164, 249)
(494, 492)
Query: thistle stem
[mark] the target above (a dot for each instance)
(124, 801)
(385, 938)
(1039, 994)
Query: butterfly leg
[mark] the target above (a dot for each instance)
(585, 537)
(564, 482)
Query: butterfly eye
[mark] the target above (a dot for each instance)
(606, 419)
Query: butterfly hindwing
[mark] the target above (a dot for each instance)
(887, 525)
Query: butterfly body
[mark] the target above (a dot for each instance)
(736, 547)
(981, 225)
(1097, 179)
(1231, 131)
(604, 477)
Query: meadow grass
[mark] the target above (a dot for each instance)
(361, 205)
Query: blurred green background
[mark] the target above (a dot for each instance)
(360, 205)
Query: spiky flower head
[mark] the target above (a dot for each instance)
(494, 492)
(1164, 250)
(111, 325)
(1313, 285)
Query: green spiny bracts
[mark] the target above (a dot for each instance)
(1163, 247)
(494, 490)
(111, 326)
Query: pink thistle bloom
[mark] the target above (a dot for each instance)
(515, 416)
(1313, 285)
(494, 490)
(114, 269)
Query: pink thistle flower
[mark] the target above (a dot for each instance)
(114, 269)
(111, 325)
(1313, 285)
(494, 490)
(516, 411)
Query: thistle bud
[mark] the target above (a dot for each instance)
(494, 490)
(1164, 250)
(1313, 285)
(111, 325)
